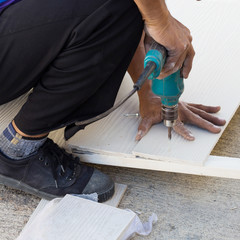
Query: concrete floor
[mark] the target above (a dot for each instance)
(188, 207)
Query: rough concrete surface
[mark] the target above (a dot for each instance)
(188, 207)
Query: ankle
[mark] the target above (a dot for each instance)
(16, 146)
(26, 135)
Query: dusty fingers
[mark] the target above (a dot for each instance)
(180, 129)
(208, 109)
(197, 116)
(143, 128)
(207, 116)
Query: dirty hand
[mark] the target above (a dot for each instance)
(195, 114)
(176, 38)
(170, 33)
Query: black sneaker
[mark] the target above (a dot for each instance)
(52, 173)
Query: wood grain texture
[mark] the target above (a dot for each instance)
(114, 134)
(76, 218)
(213, 81)
(120, 189)
(215, 166)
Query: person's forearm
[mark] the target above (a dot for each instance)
(167, 31)
(137, 63)
(154, 12)
(136, 68)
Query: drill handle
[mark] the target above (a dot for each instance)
(157, 56)
(160, 48)
(153, 63)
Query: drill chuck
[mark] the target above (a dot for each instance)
(170, 115)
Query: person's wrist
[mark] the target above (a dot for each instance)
(145, 93)
(160, 20)
(157, 17)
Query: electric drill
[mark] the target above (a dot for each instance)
(169, 88)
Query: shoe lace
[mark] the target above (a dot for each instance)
(60, 158)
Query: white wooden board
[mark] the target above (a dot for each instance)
(120, 189)
(113, 135)
(77, 219)
(215, 26)
(214, 80)
(114, 202)
(215, 166)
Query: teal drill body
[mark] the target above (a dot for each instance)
(169, 88)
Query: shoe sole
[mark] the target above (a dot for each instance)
(15, 184)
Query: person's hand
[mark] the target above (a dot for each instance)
(195, 114)
(176, 38)
(170, 33)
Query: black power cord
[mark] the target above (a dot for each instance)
(137, 86)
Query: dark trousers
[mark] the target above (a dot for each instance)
(73, 53)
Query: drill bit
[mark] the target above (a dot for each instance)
(170, 115)
(131, 115)
(169, 133)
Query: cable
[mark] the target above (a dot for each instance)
(102, 115)
(137, 86)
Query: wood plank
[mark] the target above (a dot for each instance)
(114, 134)
(215, 166)
(213, 81)
(214, 78)
(120, 190)
(77, 218)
